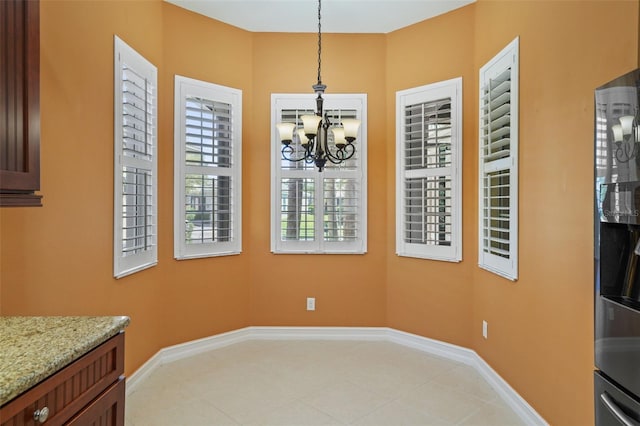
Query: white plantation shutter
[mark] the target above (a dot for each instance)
(318, 212)
(498, 164)
(207, 205)
(135, 162)
(207, 132)
(428, 171)
(341, 201)
(297, 209)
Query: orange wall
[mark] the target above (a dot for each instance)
(202, 297)
(433, 298)
(57, 260)
(349, 290)
(543, 320)
(541, 327)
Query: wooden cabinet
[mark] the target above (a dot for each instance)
(91, 390)
(20, 103)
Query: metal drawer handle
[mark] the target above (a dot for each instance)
(41, 415)
(616, 411)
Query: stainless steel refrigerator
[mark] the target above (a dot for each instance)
(617, 249)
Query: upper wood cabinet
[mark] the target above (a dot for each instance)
(20, 103)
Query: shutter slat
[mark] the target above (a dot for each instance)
(497, 218)
(208, 133)
(428, 211)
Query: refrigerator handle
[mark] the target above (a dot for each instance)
(616, 411)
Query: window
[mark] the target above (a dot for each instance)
(135, 170)
(428, 171)
(312, 211)
(498, 164)
(208, 160)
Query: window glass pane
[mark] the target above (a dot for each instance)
(601, 138)
(137, 115)
(496, 214)
(427, 130)
(294, 116)
(341, 197)
(208, 209)
(297, 211)
(137, 217)
(335, 118)
(208, 133)
(428, 210)
(495, 130)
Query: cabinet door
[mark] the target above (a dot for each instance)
(19, 102)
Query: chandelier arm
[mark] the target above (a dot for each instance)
(619, 154)
(288, 151)
(624, 154)
(342, 154)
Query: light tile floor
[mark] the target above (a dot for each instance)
(298, 383)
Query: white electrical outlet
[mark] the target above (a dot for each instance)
(311, 303)
(485, 329)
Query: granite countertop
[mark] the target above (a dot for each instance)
(33, 348)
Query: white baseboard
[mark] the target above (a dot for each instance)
(143, 372)
(318, 333)
(195, 347)
(185, 350)
(508, 394)
(431, 346)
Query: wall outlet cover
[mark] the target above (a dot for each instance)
(311, 303)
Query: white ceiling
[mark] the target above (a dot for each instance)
(338, 16)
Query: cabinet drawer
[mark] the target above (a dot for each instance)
(106, 410)
(66, 392)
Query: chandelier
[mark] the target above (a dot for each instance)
(313, 138)
(626, 136)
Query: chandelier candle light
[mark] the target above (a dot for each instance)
(626, 136)
(313, 136)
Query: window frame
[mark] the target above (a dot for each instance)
(185, 87)
(506, 267)
(280, 102)
(451, 89)
(124, 265)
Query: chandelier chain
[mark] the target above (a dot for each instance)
(319, 42)
(314, 142)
